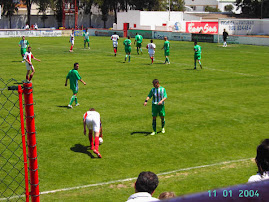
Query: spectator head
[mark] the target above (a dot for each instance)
(166, 195)
(146, 182)
(262, 158)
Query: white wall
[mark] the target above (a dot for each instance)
(132, 17)
(201, 2)
(221, 6)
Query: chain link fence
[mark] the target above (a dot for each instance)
(12, 176)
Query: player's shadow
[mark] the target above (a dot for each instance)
(63, 106)
(82, 149)
(143, 132)
(16, 61)
(190, 69)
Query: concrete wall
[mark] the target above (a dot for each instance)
(132, 17)
(19, 21)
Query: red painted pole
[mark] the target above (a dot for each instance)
(31, 137)
(76, 15)
(23, 145)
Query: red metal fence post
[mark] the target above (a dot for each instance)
(23, 144)
(31, 139)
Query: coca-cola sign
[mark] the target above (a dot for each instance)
(202, 27)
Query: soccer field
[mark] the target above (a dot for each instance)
(214, 115)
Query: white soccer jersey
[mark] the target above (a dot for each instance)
(151, 47)
(115, 39)
(29, 57)
(92, 120)
(72, 38)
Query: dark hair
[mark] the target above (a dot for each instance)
(155, 81)
(146, 182)
(136, 33)
(166, 195)
(129, 37)
(115, 32)
(92, 109)
(262, 158)
(151, 41)
(195, 41)
(75, 64)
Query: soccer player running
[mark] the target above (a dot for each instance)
(158, 94)
(166, 47)
(127, 45)
(225, 36)
(74, 77)
(138, 41)
(86, 36)
(197, 54)
(23, 44)
(28, 56)
(151, 50)
(72, 40)
(92, 120)
(115, 39)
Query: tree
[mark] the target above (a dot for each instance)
(211, 9)
(28, 4)
(87, 6)
(254, 8)
(43, 6)
(229, 8)
(177, 5)
(9, 8)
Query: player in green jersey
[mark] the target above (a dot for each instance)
(197, 54)
(166, 47)
(138, 41)
(23, 44)
(127, 44)
(86, 38)
(74, 77)
(158, 94)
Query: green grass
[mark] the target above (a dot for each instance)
(214, 115)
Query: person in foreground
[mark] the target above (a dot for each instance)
(158, 94)
(262, 161)
(145, 186)
(91, 119)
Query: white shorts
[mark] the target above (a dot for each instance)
(115, 44)
(93, 121)
(151, 54)
(28, 67)
(72, 42)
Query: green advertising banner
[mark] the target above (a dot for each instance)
(147, 34)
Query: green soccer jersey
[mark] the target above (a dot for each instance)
(24, 44)
(197, 50)
(166, 45)
(138, 38)
(73, 76)
(86, 35)
(127, 43)
(157, 94)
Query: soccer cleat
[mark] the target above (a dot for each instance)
(22, 61)
(115, 54)
(168, 63)
(194, 68)
(77, 104)
(69, 106)
(153, 133)
(163, 130)
(97, 153)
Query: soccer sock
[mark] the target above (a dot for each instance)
(115, 50)
(96, 142)
(129, 58)
(27, 77)
(126, 57)
(154, 125)
(200, 63)
(84, 44)
(195, 64)
(31, 76)
(91, 140)
(151, 59)
(76, 99)
(141, 50)
(72, 99)
(71, 47)
(163, 122)
(168, 60)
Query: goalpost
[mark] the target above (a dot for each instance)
(243, 27)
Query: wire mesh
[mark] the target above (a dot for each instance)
(12, 184)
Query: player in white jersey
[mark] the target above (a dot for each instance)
(91, 119)
(28, 56)
(151, 50)
(115, 39)
(72, 40)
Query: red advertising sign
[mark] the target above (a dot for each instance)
(202, 27)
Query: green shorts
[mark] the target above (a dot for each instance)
(75, 91)
(158, 110)
(166, 53)
(87, 40)
(197, 57)
(23, 51)
(128, 50)
(138, 45)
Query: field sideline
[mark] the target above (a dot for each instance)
(217, 114)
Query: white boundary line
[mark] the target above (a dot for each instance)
(133, 178)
